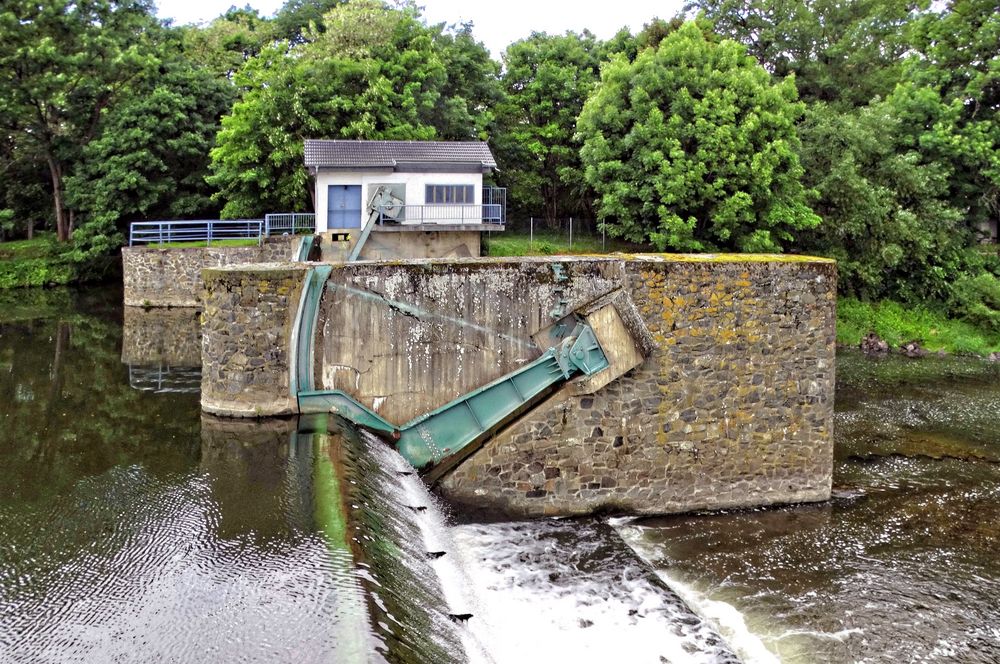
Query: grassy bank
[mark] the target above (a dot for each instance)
(898, 324)
(40, 261)
(237, 242)
(546, 243)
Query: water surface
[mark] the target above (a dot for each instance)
(131, 532)
(901, 566)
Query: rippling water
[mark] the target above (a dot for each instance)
(136, 530)
(901, 566)
(133, 534)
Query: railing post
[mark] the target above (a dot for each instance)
(209, 243)
(531, 232)
(571, 232)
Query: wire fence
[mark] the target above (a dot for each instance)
(535, 235)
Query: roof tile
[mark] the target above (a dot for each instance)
(347, 154)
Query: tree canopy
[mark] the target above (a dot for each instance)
(692, 147)
(865, 130)
(373, 73)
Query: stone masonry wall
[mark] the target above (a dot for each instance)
(156, 277)
(249, 313)
(734, 407)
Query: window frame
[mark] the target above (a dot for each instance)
(447, 194)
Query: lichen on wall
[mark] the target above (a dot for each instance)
(733, 408)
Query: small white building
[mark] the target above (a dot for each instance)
(435, 186)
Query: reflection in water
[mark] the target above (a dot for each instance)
(161, 379)
(162, 348)
(901, 565)
(133, 531)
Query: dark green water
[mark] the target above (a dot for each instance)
(127, 534)
(903, 565)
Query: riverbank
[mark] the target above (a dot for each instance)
(898, 324)
(40, 261)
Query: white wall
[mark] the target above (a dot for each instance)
(415, 187)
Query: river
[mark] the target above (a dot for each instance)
(134, 529)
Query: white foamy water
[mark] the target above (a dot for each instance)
(456, 587)
(570, 591)
(723, 616)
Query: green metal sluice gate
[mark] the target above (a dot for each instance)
(436, 441)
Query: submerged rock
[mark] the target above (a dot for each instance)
(912, 349)
(872, 344)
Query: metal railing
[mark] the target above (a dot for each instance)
(202, 230)
(441, 214)
(496, 196)
(289, 223)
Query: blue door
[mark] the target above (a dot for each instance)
(343, 206)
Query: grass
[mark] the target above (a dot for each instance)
(35, 262)
(43, 245)
(897, 324)
(520, 243)
(237, 242)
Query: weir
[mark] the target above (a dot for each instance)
(389, 603)
(708, 381)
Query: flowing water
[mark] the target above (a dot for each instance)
(903, 565)
(133, 529)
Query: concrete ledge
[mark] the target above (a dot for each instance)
(409, 228)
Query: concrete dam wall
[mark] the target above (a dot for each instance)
(719, 393)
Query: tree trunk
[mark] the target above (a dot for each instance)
(31, 228)
(62, 224)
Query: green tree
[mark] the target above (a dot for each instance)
(374, 73)
(225, 44)
(298, 18)
(151, 156)
(887, 215)
(952, 93)
(472, 89)
(848, 52)
(691, 147)
(61, 63)
(546, 79)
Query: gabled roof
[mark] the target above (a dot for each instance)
(390, 154)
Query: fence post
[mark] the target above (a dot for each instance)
(209, 243)
(604, 239)
(531, 232)
(571, 233)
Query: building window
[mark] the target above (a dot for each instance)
(449, 194)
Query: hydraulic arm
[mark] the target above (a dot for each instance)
(441, 438)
